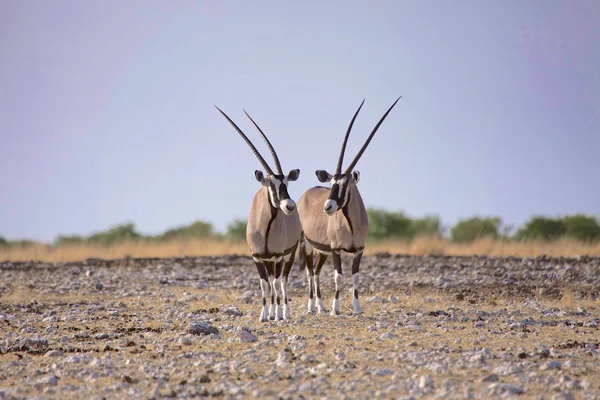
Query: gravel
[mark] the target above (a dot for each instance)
(433, 327)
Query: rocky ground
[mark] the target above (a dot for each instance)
(433, 327)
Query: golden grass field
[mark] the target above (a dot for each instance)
(212, 247)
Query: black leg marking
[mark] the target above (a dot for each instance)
(356, 294)
(262, 270)
(337, 262)
(264, 301)
(337, 294)
(356, 262)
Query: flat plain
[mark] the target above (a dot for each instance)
(432, 327)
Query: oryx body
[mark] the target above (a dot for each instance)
(273, 230)
(333, 220)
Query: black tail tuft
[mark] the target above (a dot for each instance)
(301, 253)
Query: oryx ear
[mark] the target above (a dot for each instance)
(323, 176)
(293, 175)
(261, 178)
(355, 176)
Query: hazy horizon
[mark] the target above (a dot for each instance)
(107, 109)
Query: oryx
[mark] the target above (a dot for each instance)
(333, 220)
(273, 229)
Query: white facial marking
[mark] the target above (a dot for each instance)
(287, 203)
(330, 207)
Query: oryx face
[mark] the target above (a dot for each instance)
(276, 183)
(277, 186)
(341, 181)
(340, 189)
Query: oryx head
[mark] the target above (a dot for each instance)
(276, 183)
(340, 182)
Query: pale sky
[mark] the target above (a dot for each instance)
(107, 107)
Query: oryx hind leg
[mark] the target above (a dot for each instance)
(264, 287)
(321, 258)
(287, 267)
(355, 268)
(308, 255)
(337, 266)
(276, 287)
(270, 265)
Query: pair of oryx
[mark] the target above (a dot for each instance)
(328, 221)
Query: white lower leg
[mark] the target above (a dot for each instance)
(272, 303)
(320, 306)
(311, 293)
(264, 287)
(355, 304)
(335, 306)
(286, 309)
(276, 287)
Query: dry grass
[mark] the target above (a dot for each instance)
(209, 247)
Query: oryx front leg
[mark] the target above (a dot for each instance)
(277, 314)
(318, 265)
(337, 265)
(264, 287)
(310, 272)
(284, 283)
(355, 268)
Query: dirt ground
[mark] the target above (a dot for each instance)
(431, 327)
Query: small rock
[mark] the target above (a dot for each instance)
(388, 335)
(99, 286)
(197, 328)
(234, 311)
(384, 372)
(245, 336)
(425, 382)
(491, 378)
(563, 396)
(54, 353)
(499, 388)
(550, 365)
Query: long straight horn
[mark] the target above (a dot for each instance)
(275, 158)
(256, 153)
(362, 150)
(338, 169)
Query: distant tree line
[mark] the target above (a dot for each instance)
(383, 225)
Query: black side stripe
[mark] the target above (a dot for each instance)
(274, 212)
(318, 246)
(346, 215)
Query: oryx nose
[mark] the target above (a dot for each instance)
(290, 207)
(328, 207)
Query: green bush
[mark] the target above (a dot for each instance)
(388, 225)
(69, 240)
(236, 230)
(473, 228)
(115, 234)
(581, 227)
(195, 230)
(542, 228)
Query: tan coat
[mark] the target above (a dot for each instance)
(274, 239)
(333, 231)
